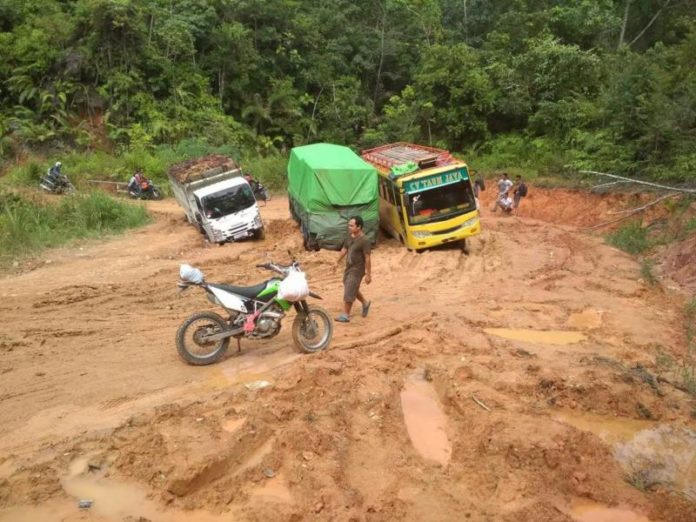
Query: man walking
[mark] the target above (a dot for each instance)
(356, 249)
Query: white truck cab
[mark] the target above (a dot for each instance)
(219, 202)
(227, 211)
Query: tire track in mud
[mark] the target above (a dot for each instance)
(329, 432)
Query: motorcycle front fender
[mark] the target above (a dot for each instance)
(301, 307)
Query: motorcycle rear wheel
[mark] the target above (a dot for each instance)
(312, 332)
(196, 351)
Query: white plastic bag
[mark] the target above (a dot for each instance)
(190, 274)
(294, 287)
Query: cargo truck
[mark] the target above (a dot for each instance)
(216, 198)
(327, 185)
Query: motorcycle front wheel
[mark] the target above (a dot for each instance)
(156, 194)
(312, 332)
(191, 343)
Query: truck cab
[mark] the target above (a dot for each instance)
(227, 211)
(216, 198)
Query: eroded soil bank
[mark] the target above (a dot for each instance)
(540, 368)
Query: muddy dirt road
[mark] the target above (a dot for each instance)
(519, 382)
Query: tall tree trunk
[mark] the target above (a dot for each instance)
(381, 59)
(221, 83)
(652, 20)
(625, 22)
(466, 24)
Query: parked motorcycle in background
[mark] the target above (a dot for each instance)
(260, 192)
(254, 312)
(55, 182)
(140, 187)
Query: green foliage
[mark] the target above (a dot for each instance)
(27, 174)
(518, 154)
(262, 77)
(270, 170)
(646, 271)
(690, 225)
(631, 238)
(27, 226)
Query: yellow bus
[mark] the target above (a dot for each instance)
(426, 195)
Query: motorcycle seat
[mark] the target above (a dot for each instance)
(247, 291)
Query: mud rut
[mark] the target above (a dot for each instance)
(94, 402)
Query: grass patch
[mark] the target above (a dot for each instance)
(689, 368)
(154, 162)
(690, 225)
(270, 170)
(646, 271)
(642, 479)
(27, 226)
(631, 238)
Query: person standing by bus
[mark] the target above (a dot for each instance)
(518, 192)
(356, 249)
(504, 185)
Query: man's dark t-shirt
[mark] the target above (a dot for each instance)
(358, 248)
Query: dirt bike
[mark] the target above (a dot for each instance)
(56, 183)
(260, 192)
(148, 190)
(254, 312)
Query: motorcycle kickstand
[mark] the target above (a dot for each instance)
(239, 346)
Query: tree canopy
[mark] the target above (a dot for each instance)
(611, 83)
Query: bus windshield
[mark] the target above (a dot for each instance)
(228, 201)
(440, 203)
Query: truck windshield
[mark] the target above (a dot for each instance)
(228, 201)
(440, 203)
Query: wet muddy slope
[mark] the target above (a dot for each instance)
(527, 380)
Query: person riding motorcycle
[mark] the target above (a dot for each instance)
(136, 182)
(55, 175)
(55, 181)
(54, 171)
(260, 192)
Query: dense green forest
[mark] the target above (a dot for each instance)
(602, 84)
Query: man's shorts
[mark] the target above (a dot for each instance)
(351, 286)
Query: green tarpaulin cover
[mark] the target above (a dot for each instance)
(327, 185)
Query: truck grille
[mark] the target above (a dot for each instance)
(234, 231)
(448, 230)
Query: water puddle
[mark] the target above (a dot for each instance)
(110, 500)
(649, 452)
(664, 455)
(593, 512)
(425, 421)
(253, 367)
(610, 429)
(561, 337)
(274, 490)
(586, 320)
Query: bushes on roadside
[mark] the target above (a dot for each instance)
(631, 238)
(27, 225)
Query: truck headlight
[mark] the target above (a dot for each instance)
(257, 222)
(422, 234)
(470, 222)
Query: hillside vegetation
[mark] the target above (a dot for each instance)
(538, 84)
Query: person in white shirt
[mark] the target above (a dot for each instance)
(505, 202)
(504, 186)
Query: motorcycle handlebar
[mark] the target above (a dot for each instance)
(281, 269)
